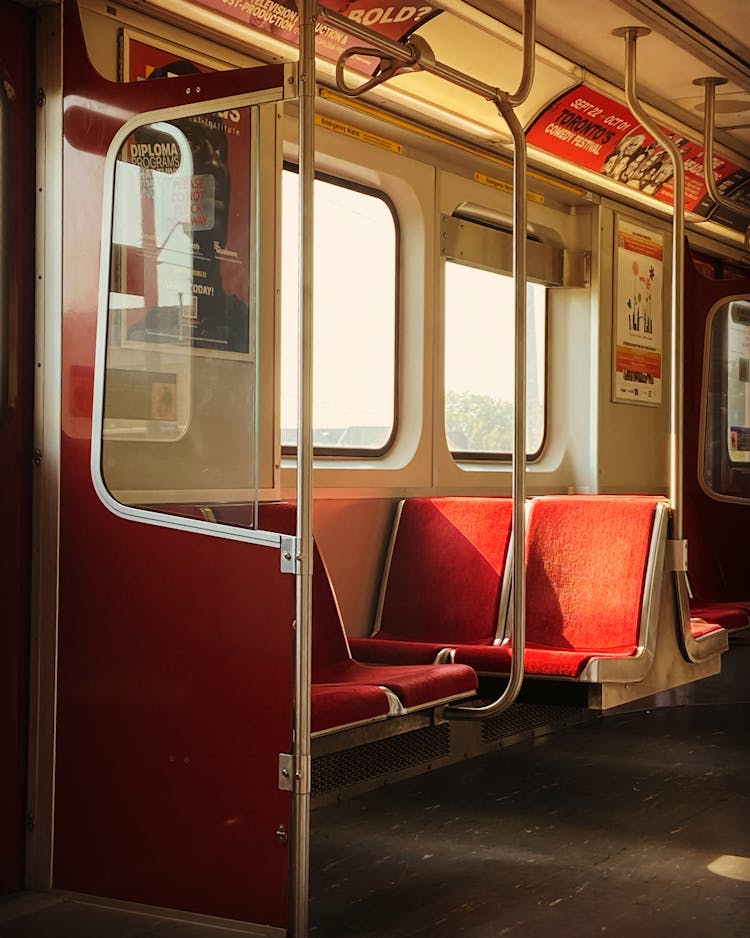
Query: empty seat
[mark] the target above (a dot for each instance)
(729, 616)
(711, 599)
(416, 686)
(341, 706)
(444, 581)
(405, 688)
(592, 589)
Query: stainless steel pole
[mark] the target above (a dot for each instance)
(300, 872)
(631, 35)
(709, 121)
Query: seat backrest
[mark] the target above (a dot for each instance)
(445, 571)
(329, 643)
(586, 563)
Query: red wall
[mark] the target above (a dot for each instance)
(17, 67)
(716, 531)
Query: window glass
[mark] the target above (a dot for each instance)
(726, 451)
(479, 349)
(354, 342)
(179, 389)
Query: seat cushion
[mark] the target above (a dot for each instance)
(725, 615)
(538, 659)
(380, 650)
(334, 706)
(414, 685)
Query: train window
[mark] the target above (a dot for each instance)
(726, 412)
(479, 374)
(178, 409)
(355, 311)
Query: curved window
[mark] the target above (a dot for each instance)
(354, 344)
(179, 397)
(479, 350)
(726, 415)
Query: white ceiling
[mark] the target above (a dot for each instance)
(690, 39)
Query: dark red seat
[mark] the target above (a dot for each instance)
(729, 616)
(411, 687)
(416, 686)
(444, 582)
(341, 706)
(708, 617)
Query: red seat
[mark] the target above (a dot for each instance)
(729, 616)
(332, 664)
(339, 706)
(587, 560)
(443, 581)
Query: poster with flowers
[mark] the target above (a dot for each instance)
(638, 314)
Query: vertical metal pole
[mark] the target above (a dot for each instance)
(520, 223)
(300, 873)
(677, 344)
(505, 104)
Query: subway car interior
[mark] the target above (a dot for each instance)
(375, 441)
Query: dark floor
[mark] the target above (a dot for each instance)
(632, 825)
(636, 824)
(608, 828)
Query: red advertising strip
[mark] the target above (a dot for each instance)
(598, 133)
(394, 19)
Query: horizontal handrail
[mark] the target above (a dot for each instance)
(414, 55)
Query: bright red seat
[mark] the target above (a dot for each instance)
(589, 575)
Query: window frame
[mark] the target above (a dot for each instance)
(143, 505)
(478, 254)
(288, 451)
(708, 381)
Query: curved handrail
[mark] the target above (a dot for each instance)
(518, 545)
(528, 31)
(631, 35)
(693, 650)
(6, 95)
(709, 121)
(416, 54)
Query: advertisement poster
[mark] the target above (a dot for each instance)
(638, 315)
(590, 129)
(185, 230)
(395, 19)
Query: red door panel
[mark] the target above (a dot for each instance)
(175, 647)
